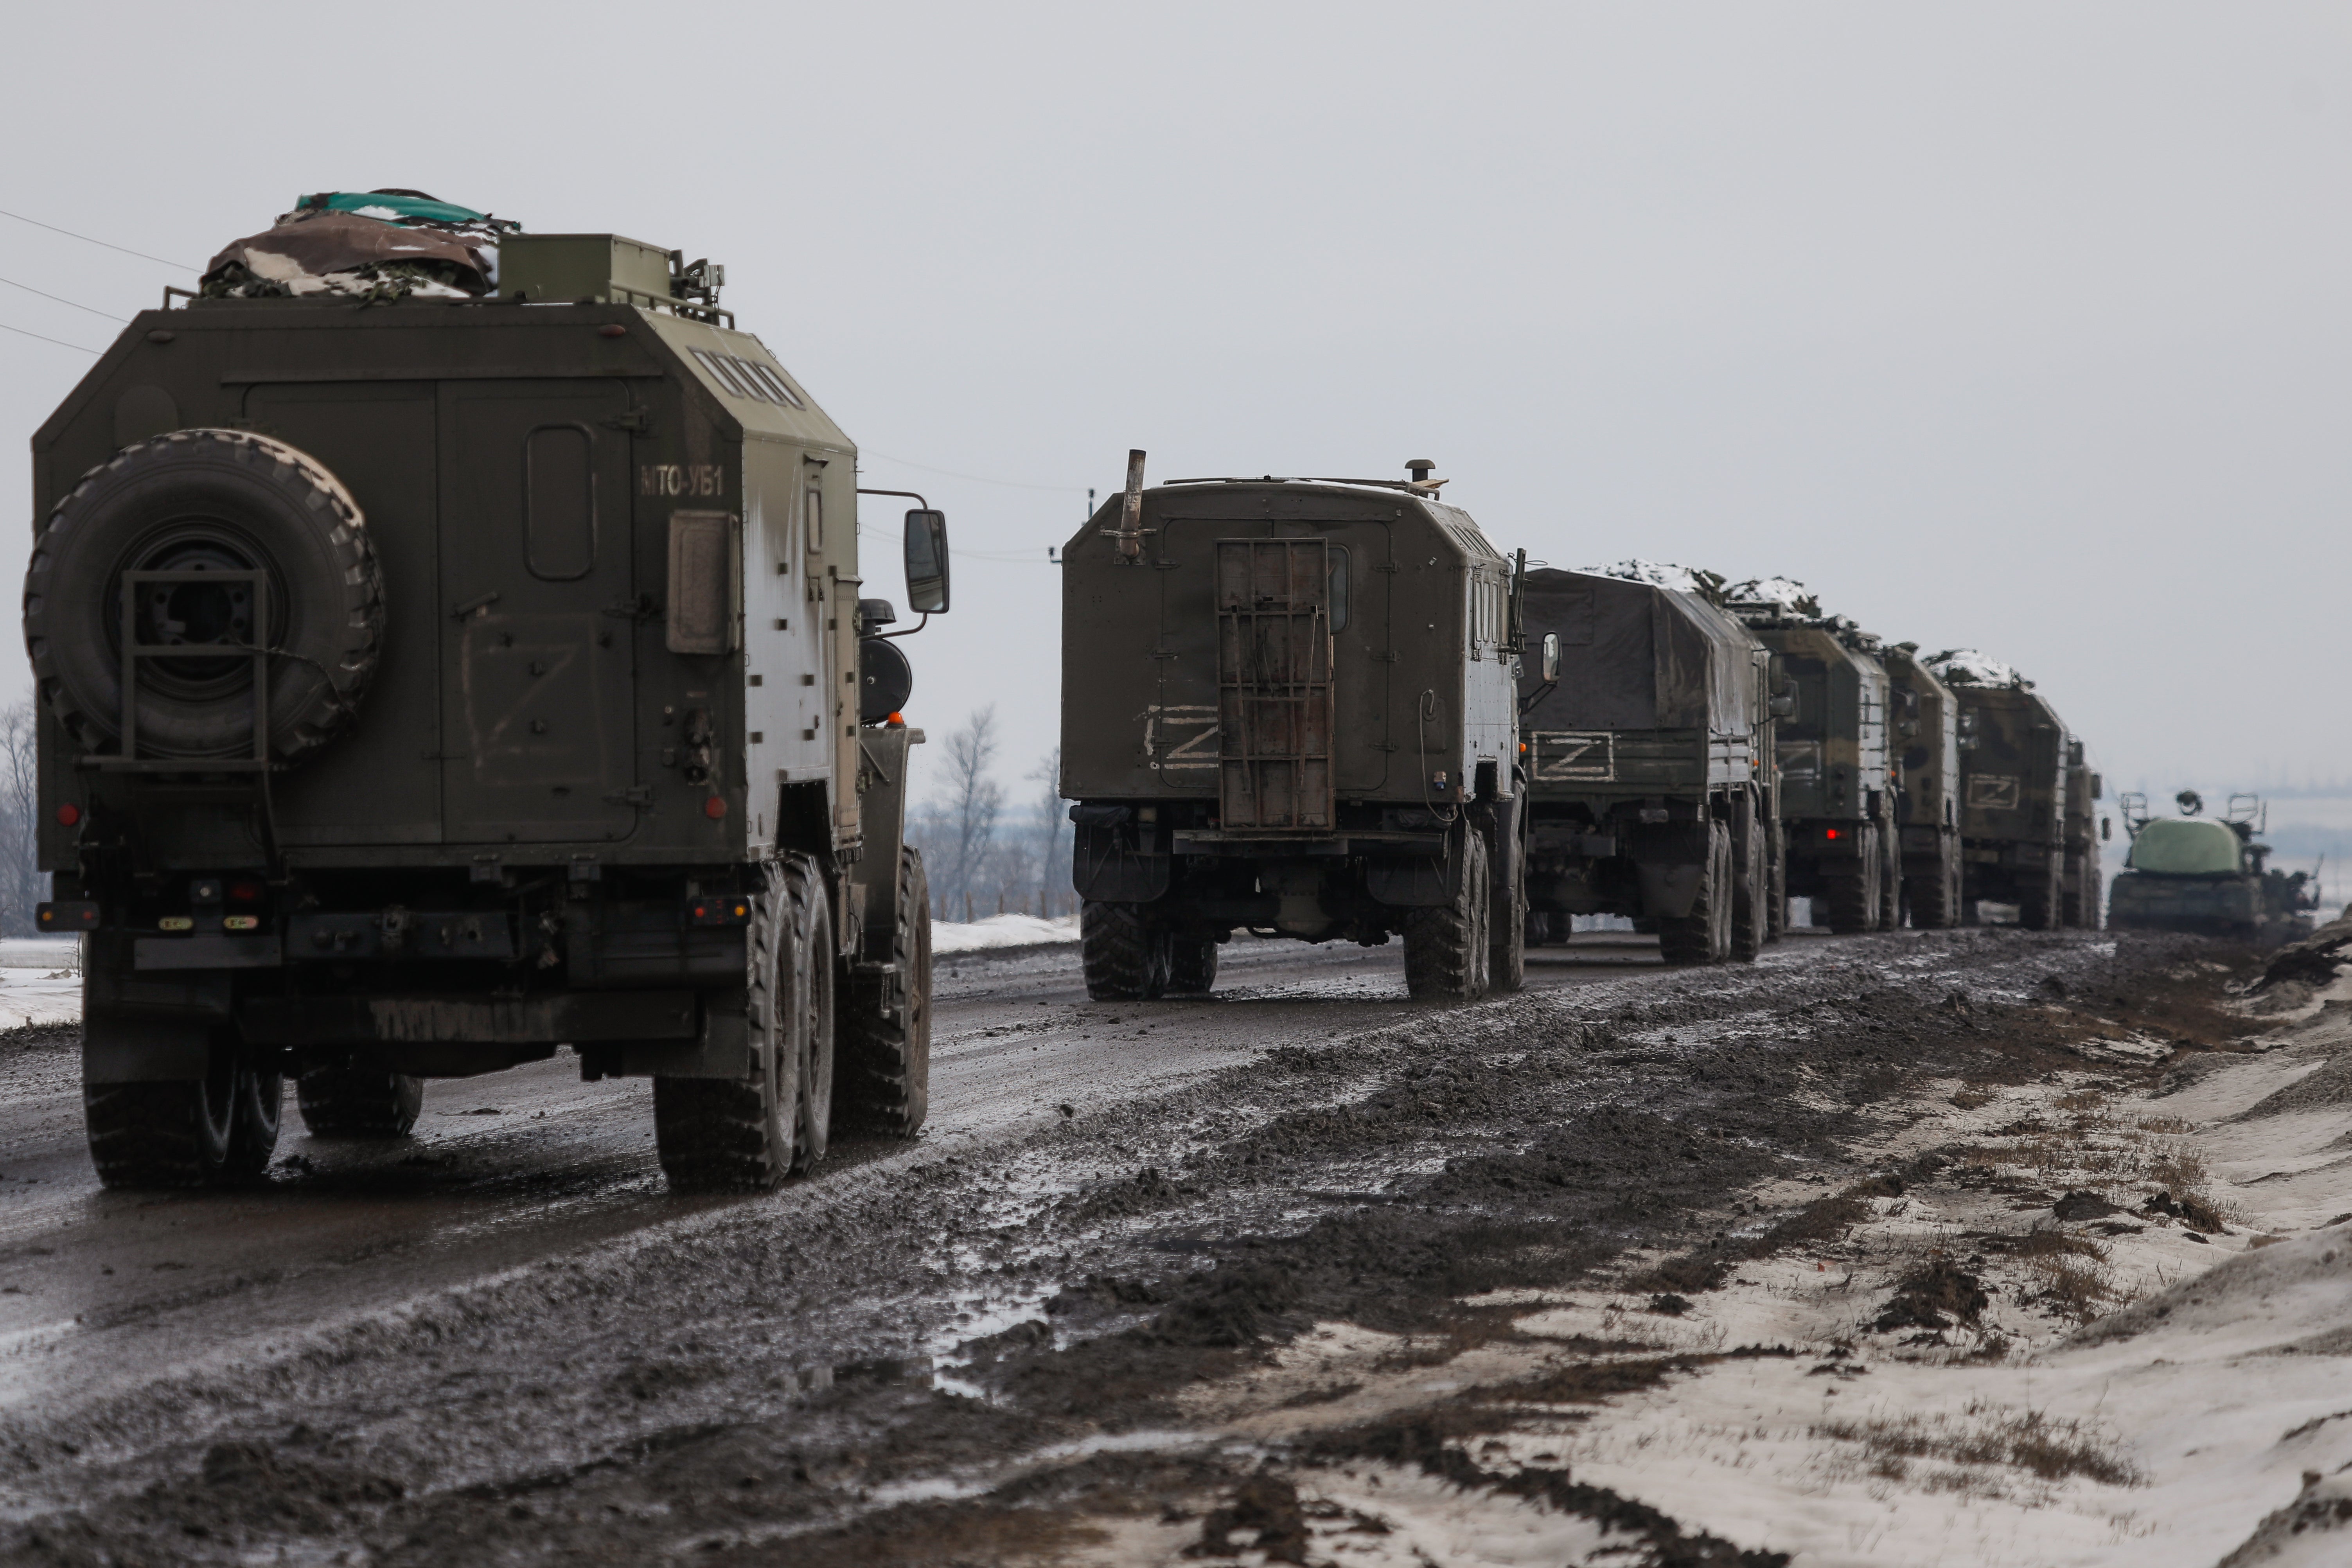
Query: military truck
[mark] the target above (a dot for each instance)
(2081, 882)
(1927, 758)
(430, 683)
(1838, 782)
(1649, 759)
(1288, 708)
(2014, 753)
(2195, 873)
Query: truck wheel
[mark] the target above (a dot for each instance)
(194, 500)
(2038, 901)
(349, 1103)
(1538, 927)
(1192, 965)
(1935, 894)
(1890, 876)
(1506, 921)
(1776, 877)
(719, 1134)
(1447, 952)
(1752, 885)
(2095, 901)
(812, 999)
(1851, 887)
(1704, 935)
(1125, 959)
(210, 1131)
(884, 1065)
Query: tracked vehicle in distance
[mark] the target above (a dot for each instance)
(1838, 781)
(429, 684)
(1288, 708)
(1647, 728)
(2209, 875)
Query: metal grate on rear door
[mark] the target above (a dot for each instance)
(1274, 682)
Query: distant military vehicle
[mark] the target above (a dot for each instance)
(1837, 777)
(2014, 753)
(431, 680)
(1648, 757)
(1288, 707)
(2195, 873)
(1927, 758)
(2082, 882)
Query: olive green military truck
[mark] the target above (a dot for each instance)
(2081, 882)
(1288, 708)
(2197, 873)
(429, 683)
(2014, 755)
(1648, 746)
(1927, 758)
(1838, 782)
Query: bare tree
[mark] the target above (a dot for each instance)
(21, 881)
(1053, 824)
(968, 815)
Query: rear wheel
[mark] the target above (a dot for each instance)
(1890, 876)
(350, 1102)
(885, 1063)
(1851, 887)
(728, 1134)
(1704, 935)
(209, 1131)
(1751, 886)
(1447, 951)
(1125, 960)
(1506, 922)
(1934, 891)
(1540, 926)
(1775, 877)
(2038, 900)
(811, 1000)
(1192, 965)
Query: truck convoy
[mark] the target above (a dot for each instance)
(1927, 768)
(1288, 707)
(2197, 873)
(1838, 779)
(437, 676)
(1647, 737)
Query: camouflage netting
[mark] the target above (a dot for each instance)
(1708, 586)
(380, 245)
(1966, 667)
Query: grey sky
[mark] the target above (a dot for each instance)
(2018, 326)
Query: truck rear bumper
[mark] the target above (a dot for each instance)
(561, 1019)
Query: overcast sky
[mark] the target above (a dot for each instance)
(2023, 327)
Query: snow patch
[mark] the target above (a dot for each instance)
(1966, 667)
(1001, 930)
(1659, 574)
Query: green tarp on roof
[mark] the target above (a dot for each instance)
(2178, 848)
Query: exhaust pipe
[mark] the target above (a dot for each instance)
(1129, 532)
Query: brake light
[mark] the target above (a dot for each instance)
(1832, 833)
(68, 814)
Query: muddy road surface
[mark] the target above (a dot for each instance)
(1040, 1333)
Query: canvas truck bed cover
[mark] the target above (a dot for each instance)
(1636, 656)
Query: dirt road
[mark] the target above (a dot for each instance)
(504, 1342)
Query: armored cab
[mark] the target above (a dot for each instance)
(2081, 882)
(1838, 783)
(1288, 707)
(2195, 873)
(1927, 760)
(1648, 745)
(2013, 758)
(430, 682)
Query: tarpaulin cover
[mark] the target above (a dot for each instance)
(1634, 657)
(2176, 847)
(384, 244)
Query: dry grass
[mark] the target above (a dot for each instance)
(2031, 1441)
(2180, 1170)
(2172, 1125)
(1972, 1096)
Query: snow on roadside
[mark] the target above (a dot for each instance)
(1001, 930)
(40, 981)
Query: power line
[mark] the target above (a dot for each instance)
(21, 333)
(108, 245)
(976, 479)
(61, 300)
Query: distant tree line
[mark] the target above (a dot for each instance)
(987, 853)
(23, 884)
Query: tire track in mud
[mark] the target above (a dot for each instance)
(930, 1331)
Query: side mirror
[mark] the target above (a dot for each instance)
(1551, 656)
(927, 562)
(2107, 829)
(1784, 702)
(2074, 753)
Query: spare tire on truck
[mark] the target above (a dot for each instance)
(199, 501)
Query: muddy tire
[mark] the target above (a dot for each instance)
(885, 1058)
(1447, 950)
(1751, 884)
(1776, 877)
(1890, 876)
(1506, 921)
(212, 1131)
(1851, 887)
(1192, 965)
(1540, 926)
(2038, 901)
(812, 1001)
(1124, 958)
(1704, 935)
(1935, 893)
(719, 1134)
(226, 501)
(350, 1102)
